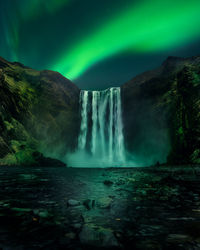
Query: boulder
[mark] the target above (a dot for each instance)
(72, 202)
(97, 237)
(104, 202)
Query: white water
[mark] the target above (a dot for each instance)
(101, 140)
(83, 130)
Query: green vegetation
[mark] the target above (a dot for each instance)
(35, 110)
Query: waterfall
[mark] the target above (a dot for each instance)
(95, 99)
(84, 125)
(101, 131)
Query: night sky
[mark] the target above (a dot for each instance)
(98, 43)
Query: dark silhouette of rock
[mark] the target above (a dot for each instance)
(161, 113)
(107, 182)
(98, 237)
(46, 161)
(73, 202)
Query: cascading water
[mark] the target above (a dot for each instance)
(101, 140)
(83, 132)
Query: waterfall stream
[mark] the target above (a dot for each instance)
(101, 140)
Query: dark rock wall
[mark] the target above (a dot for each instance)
(161, 113)
(185, 122)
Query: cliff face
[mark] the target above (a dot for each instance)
(161, 110)
(38, 112)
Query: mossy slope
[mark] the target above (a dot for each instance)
(38, 112)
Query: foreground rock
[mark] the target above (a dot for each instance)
(40, 160)
(66, 208)
(92, 235)
(72, 202)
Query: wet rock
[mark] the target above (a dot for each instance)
(97, 237)
(44, 214)
(86, 203)
(104, 203)
(70, 236)
(149, 245)
(89, 204)
(182, 219)
(93, 203)
(23, 210)
(178, 238)
(107, 182)
(75, 216)
(72, 202)
(43, 161)
(120, 182)
(77, 226)
(41, 213)
(5, 205)
(151, 230)
(28, 177)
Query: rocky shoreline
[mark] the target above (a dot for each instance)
(67, 208)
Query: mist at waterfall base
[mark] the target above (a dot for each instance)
(101, 141)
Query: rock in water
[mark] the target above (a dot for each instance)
(104, 202)
(98, 237)
(107, 182)
(72, 202)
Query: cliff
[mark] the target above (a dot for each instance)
(38, 112)
(161, 112)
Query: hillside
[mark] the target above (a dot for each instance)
(38, 112)
(162, 113)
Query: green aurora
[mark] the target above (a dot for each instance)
(77, 38)
(178, 23)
